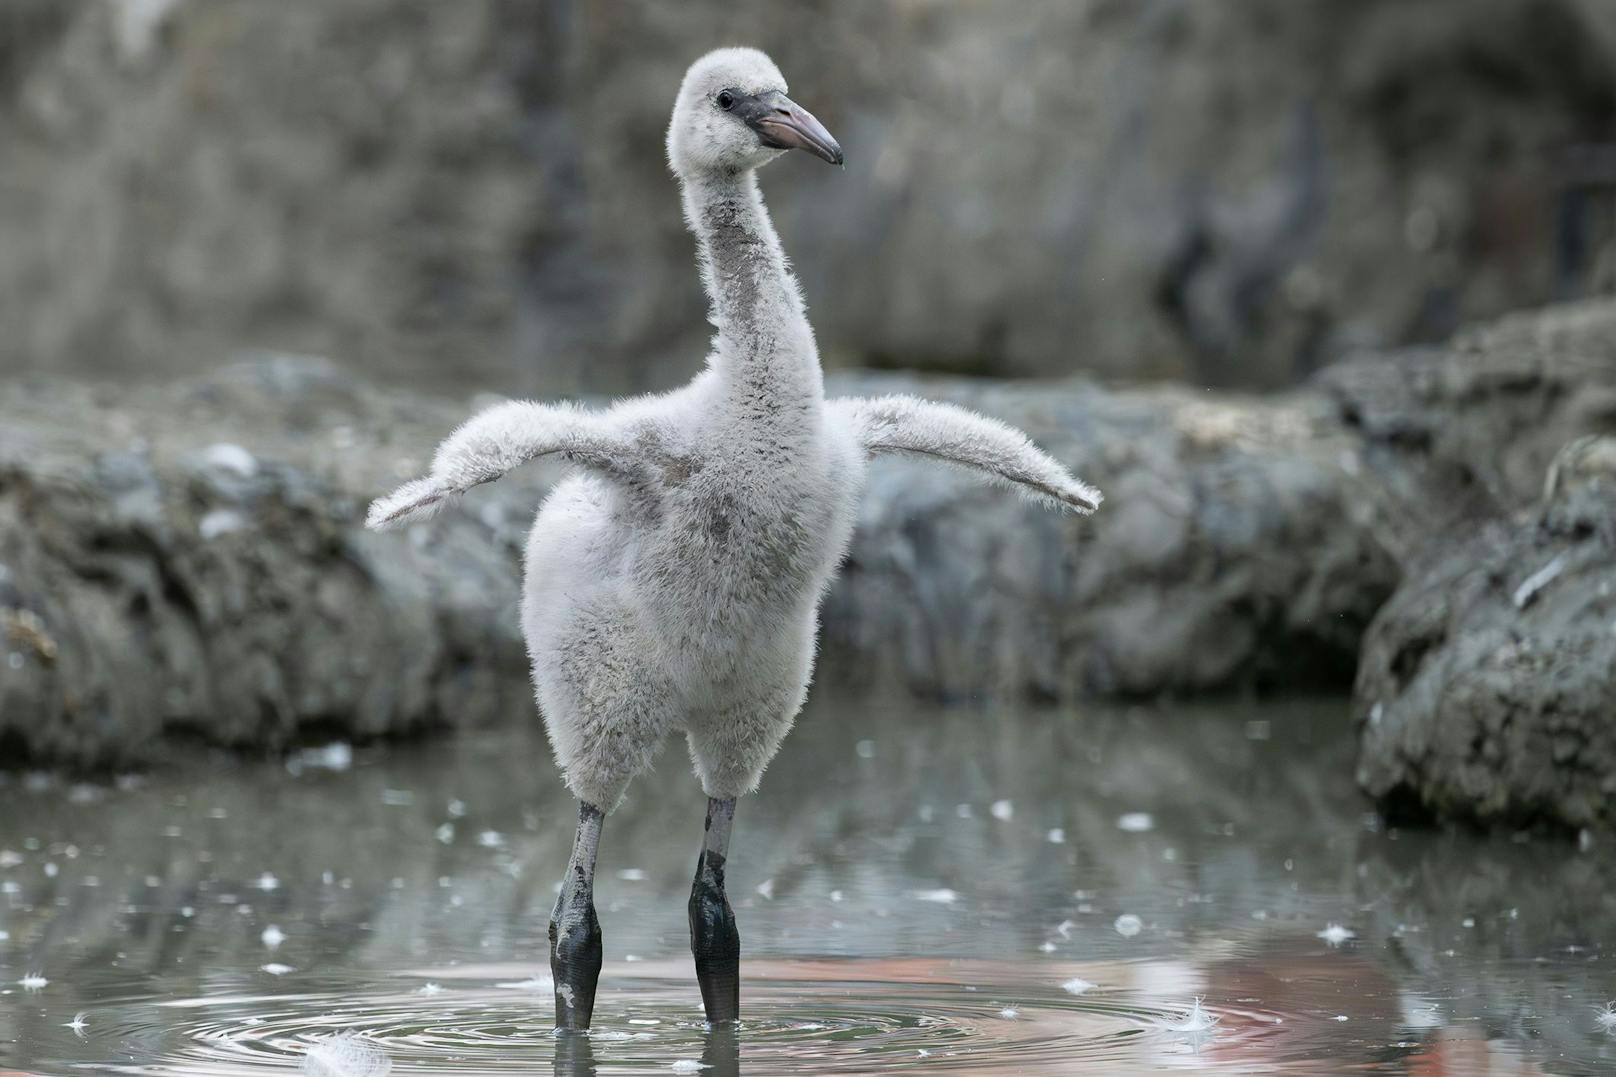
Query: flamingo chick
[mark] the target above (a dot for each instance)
(673, 582)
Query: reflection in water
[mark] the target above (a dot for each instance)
(722, 1054)
(574, 1055)
(914, 888)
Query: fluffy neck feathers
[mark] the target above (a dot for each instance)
(765, 348)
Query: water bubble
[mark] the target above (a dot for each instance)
(1127, 925)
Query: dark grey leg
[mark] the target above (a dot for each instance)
(575, 944)
(713, 938)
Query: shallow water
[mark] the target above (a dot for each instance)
(939, 891)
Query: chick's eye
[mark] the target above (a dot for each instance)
(726, 100)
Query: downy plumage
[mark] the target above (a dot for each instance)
(673, 581)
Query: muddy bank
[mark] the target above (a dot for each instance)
(188, 560)
(1236, 550)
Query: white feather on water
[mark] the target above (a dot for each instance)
(1606, 1019)
(345, 1055)
(1335, 934)
(1197, 1019)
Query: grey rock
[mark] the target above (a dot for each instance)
(1237, 548)
(1465, 432)
(1484, 687)
(1488, 682)
(187, 561)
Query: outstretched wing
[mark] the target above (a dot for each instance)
(495, 441)
(907, 424)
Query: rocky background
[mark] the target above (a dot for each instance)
(189, 560)
(1230, 193)
(1216, 257)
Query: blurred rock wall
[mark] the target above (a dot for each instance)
(444, 193)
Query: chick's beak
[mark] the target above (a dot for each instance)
(783, 124)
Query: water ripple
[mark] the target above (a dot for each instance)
(802, 1017)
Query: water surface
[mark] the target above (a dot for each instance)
(1007, 891)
